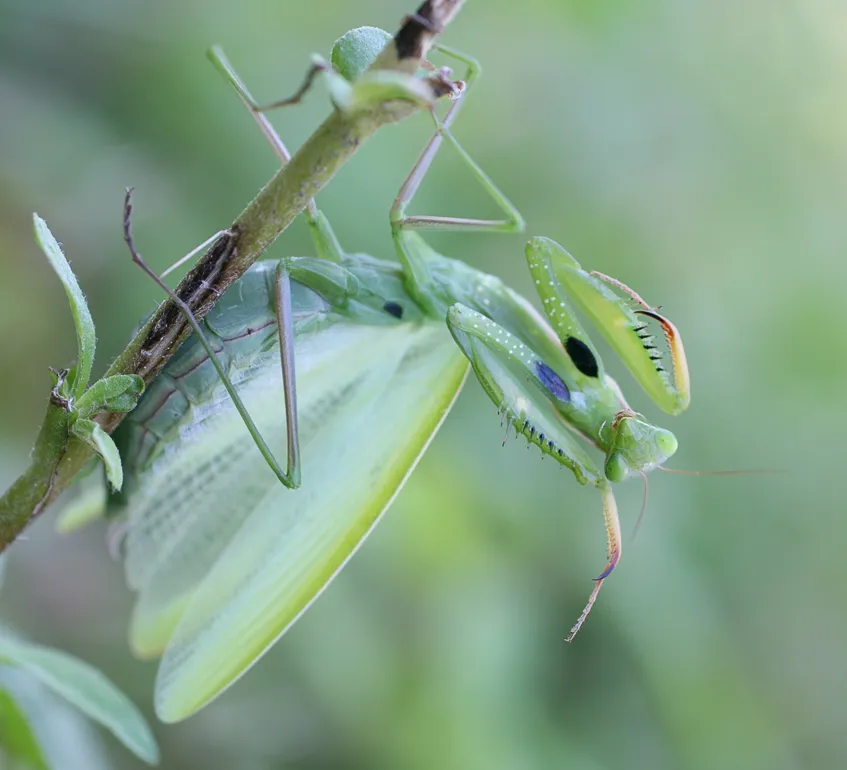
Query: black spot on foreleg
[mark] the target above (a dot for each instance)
(582, 357)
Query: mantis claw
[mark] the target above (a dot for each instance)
(677, 351)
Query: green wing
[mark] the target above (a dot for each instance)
(224, 557)
(187, 507)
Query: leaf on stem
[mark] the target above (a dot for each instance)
(118, 393)
(101, 442)
(79, 309)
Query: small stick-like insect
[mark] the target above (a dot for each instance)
(223, 556)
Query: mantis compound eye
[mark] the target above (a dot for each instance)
(666, 444)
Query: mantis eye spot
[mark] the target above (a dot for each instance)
(552, 381)
(393, 308)
(582, 357)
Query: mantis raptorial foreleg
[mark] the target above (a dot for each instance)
(567, 389)
(622, 326)
(524, 385)
(682, 384)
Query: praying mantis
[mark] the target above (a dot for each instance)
(369, 355)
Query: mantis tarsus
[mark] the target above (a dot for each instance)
(224, 557)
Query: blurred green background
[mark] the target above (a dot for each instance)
(696, 150)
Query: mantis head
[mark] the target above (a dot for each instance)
(636, 446)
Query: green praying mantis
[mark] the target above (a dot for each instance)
(369, 356)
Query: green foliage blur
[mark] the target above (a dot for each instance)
(696, 151)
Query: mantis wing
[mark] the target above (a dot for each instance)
(188, 505)
(371, 398)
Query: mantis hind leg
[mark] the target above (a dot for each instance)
(285, 327)
(291, 477)
(513, 221)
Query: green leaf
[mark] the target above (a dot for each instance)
(19, 747)
(86, 688)
(101, 442)
(118, 393)
(66, 738)
(79, 309)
